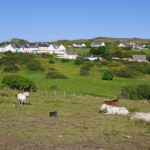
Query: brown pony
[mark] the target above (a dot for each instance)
(111, 102)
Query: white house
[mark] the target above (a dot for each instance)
(126, 44)
(97, 44)
(56, 49)
(37, 48)
(9, 47)
(67, 56)
(43, 48)
(79, 45)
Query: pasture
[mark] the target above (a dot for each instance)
(79, 125)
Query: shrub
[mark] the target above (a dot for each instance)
(7, 61)
(108, 75)
(141, 67)
(125, 73)
(143, 91)
(78, 61)
(51, 61)
(84, 71)
(11, 68)
(45, 55)
(55, 75)
(35, 66)
(129, 92)
(18, 82)
(64, 60)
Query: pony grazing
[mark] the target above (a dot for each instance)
(111, 102)
(22, 97)
(140, 116)
(113, 109)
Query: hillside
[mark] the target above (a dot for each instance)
(104, 39)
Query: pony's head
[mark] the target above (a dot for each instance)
(26, 93)
(102, 107)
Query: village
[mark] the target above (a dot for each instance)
(62, 52)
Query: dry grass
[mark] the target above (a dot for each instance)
(78, 126)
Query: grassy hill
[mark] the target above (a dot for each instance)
(80, 85)
(78, 126)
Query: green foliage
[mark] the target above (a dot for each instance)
(64, 60)
(108, 75)
(19, 41)
(84, 71)
(99, 51)
(18, 82)
(35, 66)
(51, 61)
(141, 91)
(142, 67)
(78, 61)
(129, 92)
(55, 75)
(125, 73)
(54, 87)
(45, 55)
(11, 68)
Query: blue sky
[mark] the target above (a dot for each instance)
(50, 20)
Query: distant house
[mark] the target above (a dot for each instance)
(138, 46)
(79, 45)
(57, 49)
(8, 47)
(139, 58)
(125, 44)
(97, 44)
(68, 56)
(133, 45)
(36, 48)
(43, 47)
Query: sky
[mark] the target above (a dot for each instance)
(51, 20)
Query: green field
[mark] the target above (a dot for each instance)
(79, 125)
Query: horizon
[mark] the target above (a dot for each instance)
(46, 21)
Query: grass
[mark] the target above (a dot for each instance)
(78, 125)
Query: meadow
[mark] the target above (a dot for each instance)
(79, 125)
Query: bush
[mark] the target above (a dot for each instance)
(129, 92)
(78, 61)
(125, 73)
(141, 91)
(64, 60)
(141, 67)
(108, 75)
(51, 61)
(55, 75)
(11, 68)
(18, 82)
(45, 55)
(35, 66)
(84, 71)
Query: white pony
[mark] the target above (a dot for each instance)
(140, 116)
(114, 110)
(22, 97)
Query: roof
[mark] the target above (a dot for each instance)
(97, 43)
(141, 58)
